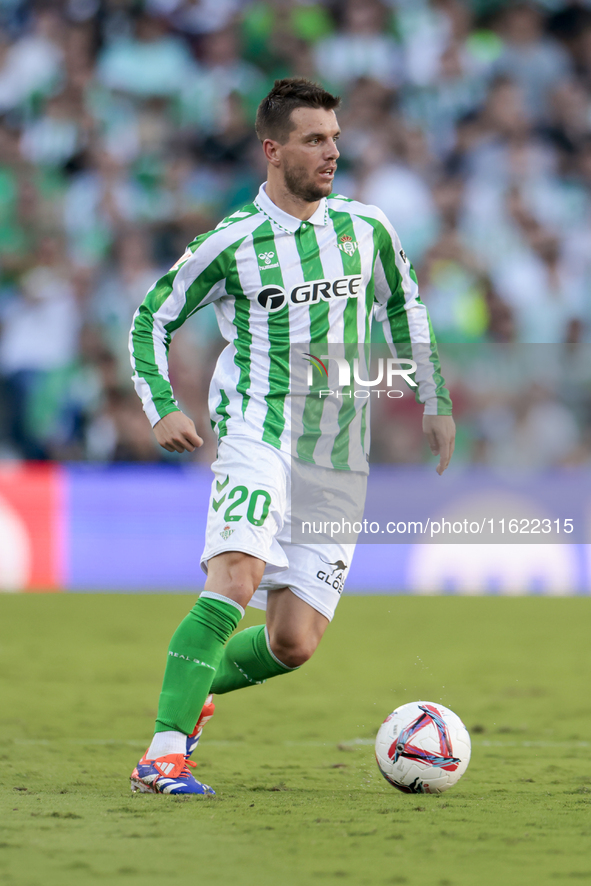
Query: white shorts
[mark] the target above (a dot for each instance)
(249, 511)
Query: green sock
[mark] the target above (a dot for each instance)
(194, 654)
(247, 660)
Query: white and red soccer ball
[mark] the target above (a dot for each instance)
(422, 748)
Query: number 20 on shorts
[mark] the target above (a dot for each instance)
(257, 511)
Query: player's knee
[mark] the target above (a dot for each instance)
(234, 575)
(239, 588)
(293, 651)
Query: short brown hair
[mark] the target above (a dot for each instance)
(274, 112)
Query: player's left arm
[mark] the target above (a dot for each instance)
(408, 330)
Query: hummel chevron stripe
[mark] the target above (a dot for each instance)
(219, 485)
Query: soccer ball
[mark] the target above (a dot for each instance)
(422, 748)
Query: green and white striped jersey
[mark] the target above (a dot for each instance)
(277, 283)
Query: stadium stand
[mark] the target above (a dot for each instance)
(126, 130)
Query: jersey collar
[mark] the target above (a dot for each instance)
(282, 219)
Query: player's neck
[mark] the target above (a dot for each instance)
(288, 202)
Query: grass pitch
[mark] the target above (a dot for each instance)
(300, 800)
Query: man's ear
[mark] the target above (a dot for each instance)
(272, 151)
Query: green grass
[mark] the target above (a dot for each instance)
(300, 800)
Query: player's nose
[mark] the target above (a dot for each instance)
(332, 152)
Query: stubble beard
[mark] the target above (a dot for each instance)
(301, 187)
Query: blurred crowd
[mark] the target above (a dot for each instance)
(126, 129)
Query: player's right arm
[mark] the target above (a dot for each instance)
(197, 279)
(177, 433)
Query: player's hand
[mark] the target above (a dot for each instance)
(441, 434)
(177, 433)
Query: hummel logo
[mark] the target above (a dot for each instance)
(266, 257)
(402, 254)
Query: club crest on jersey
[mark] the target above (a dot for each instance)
(348, 244)
(226, 533)
(273, 298)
